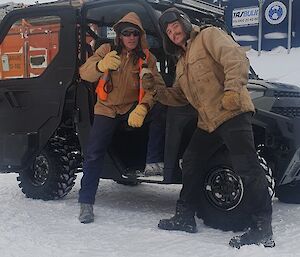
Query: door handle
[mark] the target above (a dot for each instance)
(11, 98)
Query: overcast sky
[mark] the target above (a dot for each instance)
(24, 1)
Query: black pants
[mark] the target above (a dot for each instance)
(237, 135)
(100, 138)
(178, 118)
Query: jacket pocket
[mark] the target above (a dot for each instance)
(211, 95)
(179, 74)
(213, 112)
(199, 66)
(134, 79)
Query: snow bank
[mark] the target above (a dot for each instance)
(277, 65)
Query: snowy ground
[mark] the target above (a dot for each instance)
(125, 225)
(127, 217)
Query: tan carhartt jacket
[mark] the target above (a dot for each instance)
(125, 80)
(212, 64)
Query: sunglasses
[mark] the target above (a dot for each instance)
(128, 33)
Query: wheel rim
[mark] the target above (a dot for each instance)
(223, 188)
(40, 171)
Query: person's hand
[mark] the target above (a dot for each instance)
(137, 116)
(111, 61)
(231, 101)
(147, 79)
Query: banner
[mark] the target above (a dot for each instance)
(242, 18)
(275, 24)
(247, 16)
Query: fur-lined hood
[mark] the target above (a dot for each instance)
(133, 19)
(169, 47)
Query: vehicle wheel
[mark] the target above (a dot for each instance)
(221, 195)
(266, 165)
(52, 174)
(221, 202)
(289, 193)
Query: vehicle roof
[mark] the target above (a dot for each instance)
(192, 5)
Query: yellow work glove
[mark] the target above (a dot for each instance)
(147, 79)
(231, 101)
(137, 116)
(111, 61)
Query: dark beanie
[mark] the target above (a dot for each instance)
(124, 25)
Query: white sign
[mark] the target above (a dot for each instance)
(247, 16)
(110, 33)
(5, 64)
(275, 12)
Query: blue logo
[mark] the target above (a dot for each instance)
(275, 12)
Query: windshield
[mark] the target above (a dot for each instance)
(252, 74)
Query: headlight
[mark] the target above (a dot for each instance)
(256, 94)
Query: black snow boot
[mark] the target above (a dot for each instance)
(260, 233)
(183, 220)
(86, 214)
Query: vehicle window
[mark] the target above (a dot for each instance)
(106, 15)
(29, 47)
(98, 35)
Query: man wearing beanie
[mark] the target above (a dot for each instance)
(211, 75)
(120, 98)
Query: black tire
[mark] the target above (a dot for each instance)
(267, 166)
(289, 193)
(52, 174)
(222, 205)
(230, 216)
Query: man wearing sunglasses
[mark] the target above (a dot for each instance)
(212, 74)
(120, 98)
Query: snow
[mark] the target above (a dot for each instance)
(275, 35)
(125, 225)
(277, 65)
(126, 217)
(239, 38)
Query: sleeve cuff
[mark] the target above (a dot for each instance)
(147, 106)
(97, 69)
